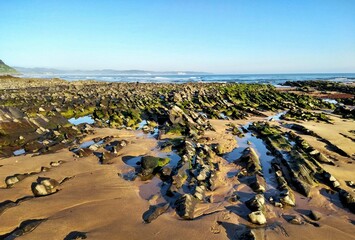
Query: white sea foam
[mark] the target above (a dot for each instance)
(275, 79)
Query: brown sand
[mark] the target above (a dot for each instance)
(97, 201)
(333, 132)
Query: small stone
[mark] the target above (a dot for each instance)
(123, 143)
(336, 184)
(296, 220)
(234, 197)
(202, 175)
(287, 201)
(215, 228)
(332, 178)
(56, 133)
(350, 183)
(146, 129)
(39, 131)
(256, 203)
(166, 171)
(11, 180)
(55, 164)
(94, 147)
(257, 217)
(40, 190)
(314, 152)
(44, 187)
(44, 169)
(278, 204)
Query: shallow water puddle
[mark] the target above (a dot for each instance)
(19, 152)
(204, 115)
(232, 173)
(142, 124)
(86, 119)
(89, 143)
(132, 161)
(260, 148)
(277, 116)
(174, 158)
(223, 116)
(329, 100)
(152, 134)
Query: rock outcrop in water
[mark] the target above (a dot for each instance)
(323, 86)
(150, 164)
(251, 161)
(343, 93)
(301, 164)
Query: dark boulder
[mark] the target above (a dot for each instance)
(154, 211)
(149, 164)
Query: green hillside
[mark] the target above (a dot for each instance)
(5, 69)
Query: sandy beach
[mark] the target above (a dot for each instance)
(184, 176)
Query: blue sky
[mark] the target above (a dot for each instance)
(236, 36)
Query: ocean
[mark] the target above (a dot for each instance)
(275, 79)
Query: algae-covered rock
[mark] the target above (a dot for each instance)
(150, 163)
(153, 162)
(251, 161)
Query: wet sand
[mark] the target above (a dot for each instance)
(96, 200)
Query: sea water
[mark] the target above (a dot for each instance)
(274, 79)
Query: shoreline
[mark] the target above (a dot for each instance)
(274, 79)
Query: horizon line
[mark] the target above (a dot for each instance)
(192, 71)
